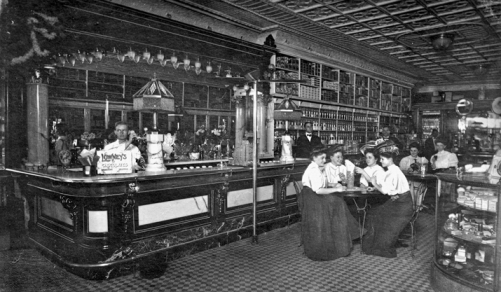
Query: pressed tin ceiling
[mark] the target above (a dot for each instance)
(400, 30)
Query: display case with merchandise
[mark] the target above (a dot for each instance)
(467, 232)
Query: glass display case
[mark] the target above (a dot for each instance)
(467, 230)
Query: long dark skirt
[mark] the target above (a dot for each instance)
(327, 226)
(384, 224)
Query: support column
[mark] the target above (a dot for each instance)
(270, 128)
(239, 121)
(87, 117)
(261, 126)
(38, 133)
(241, 154)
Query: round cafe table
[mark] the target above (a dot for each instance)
(360, 194)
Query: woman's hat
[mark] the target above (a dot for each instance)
(387, 146)
(368, 145)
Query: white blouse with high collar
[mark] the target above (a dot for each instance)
(375, 170)
(394, 181)
(446, 159)
(406, 162)
(333, 172)
(314, 177)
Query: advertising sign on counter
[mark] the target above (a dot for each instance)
(114, 162)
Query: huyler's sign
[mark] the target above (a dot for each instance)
(114, 162)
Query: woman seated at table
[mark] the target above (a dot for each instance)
(372, 170)
(387, 221)
(328, 227)
(337, 169)
(443, 159)
(413, 162)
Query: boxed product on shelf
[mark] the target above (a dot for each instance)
(309, 92)
(287, 63)
(330, 85)
(480, 199)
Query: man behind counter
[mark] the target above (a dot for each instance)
(124, 142)
(307, 142)
(386, 135)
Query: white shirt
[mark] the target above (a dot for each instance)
(333, 172)
(308, 136)
(375, 170)
(406, 162)
(314, 177)
(446, 159)
(120, 147)
(394, 181)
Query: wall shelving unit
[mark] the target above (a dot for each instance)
(344, 107)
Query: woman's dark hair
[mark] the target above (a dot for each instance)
(333, 150)
(388, 154)
(373, 151)
(415, 145)
(317, 152)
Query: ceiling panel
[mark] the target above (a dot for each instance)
(398, 33)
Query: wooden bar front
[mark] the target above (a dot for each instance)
(109, 224)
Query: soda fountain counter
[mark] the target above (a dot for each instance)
(106, 225)
(467, 250)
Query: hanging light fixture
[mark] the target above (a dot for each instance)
(131, 54)
(72, 60)
(80, 56)
(90, 58)
(160, 57)
(287, 110)
(481, 70)
(186, 63)
(198, 66)
(154, 97)
(173, 60)
(442, 42)
(98, 54)
(208, 68)
(146, 54)
(62, 59)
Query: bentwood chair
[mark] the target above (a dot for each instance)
(418, 197)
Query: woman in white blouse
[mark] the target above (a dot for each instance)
(443, 159)
(406, 162)
(387, 221)
(336, 169)
(372, 169)
(328, 227)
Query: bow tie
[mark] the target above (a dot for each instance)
(308, 135)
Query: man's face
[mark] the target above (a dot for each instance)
(122, 132)
(434, 134)
(414, 152)
(386, 131)
(309, 128)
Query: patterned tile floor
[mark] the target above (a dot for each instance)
(276, 264)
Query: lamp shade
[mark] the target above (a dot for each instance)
(154, 96)
(287, 110)
(442, 42)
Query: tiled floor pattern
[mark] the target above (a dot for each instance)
(276, 264)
